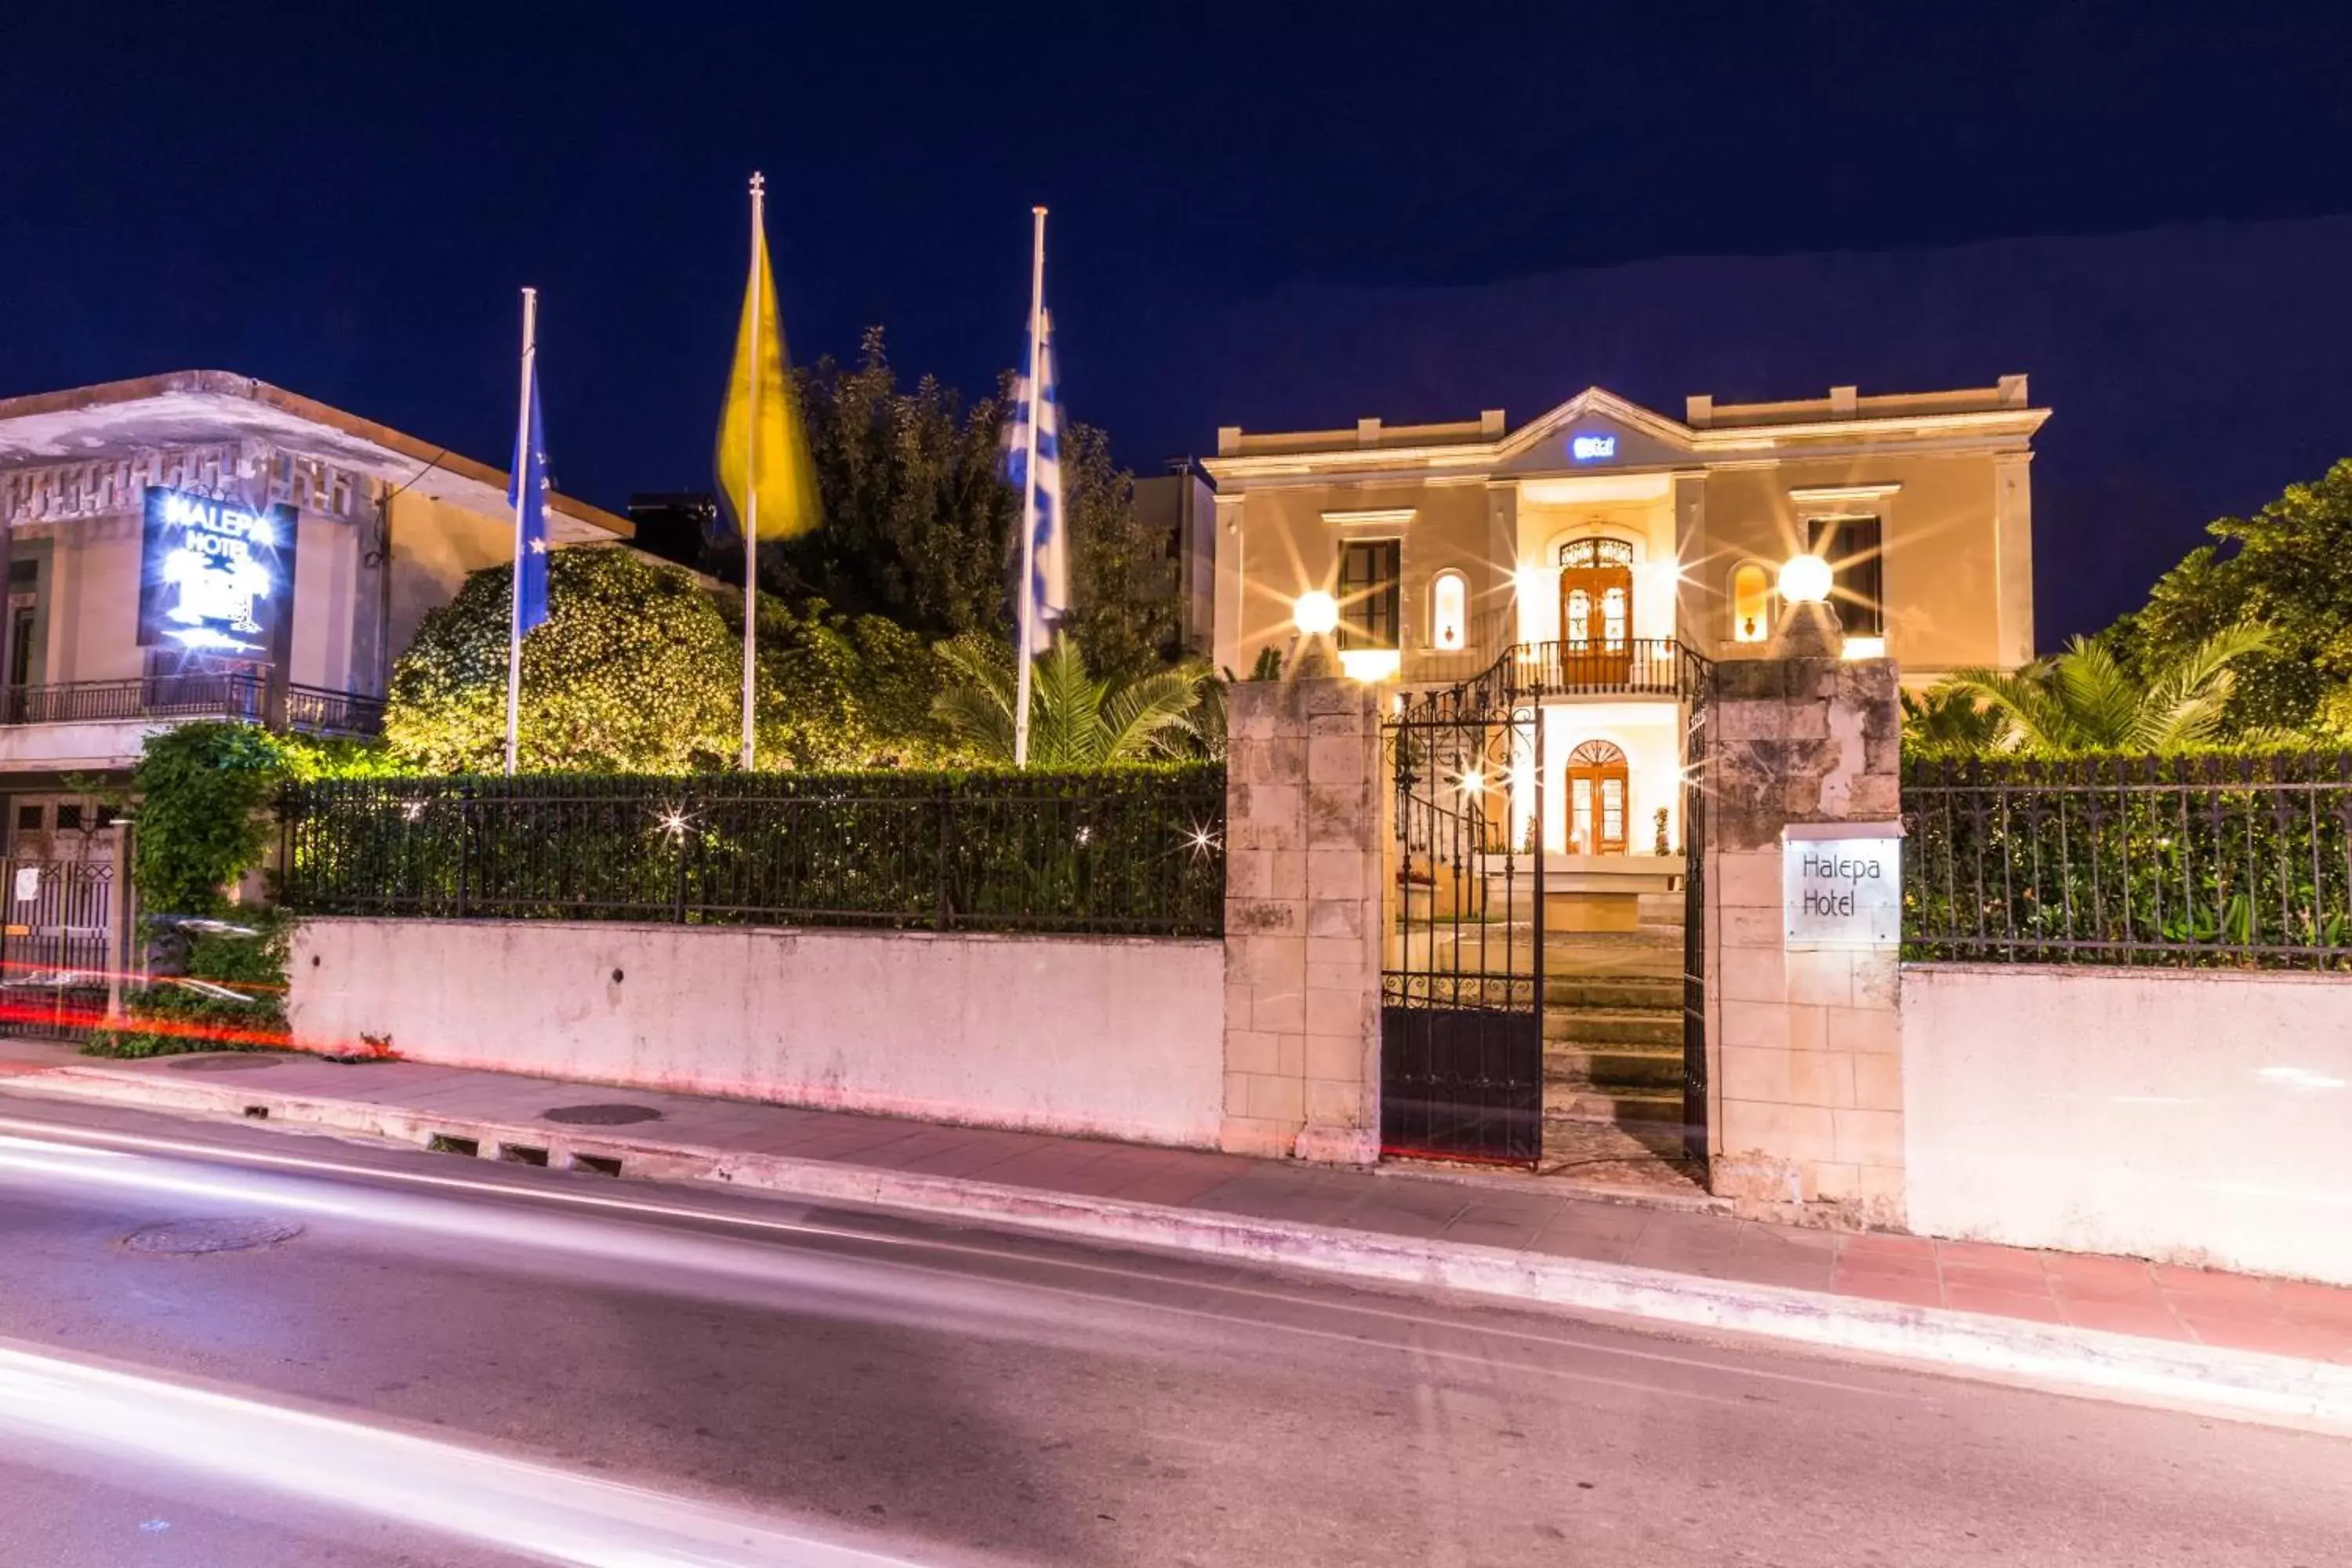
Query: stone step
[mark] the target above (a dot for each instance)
(1572, 993)
(1610, 1069)
(1663, 1139)
(1588, 1026)
(1626, 1108)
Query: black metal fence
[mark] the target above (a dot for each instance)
(1138, 851)
(2182, 861)
(56, 946)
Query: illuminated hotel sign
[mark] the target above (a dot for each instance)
(1592, 449)
(215, 576)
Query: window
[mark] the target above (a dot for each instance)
(20, 645)
(1597, 778)
(106, 817)
(68, 816)
(1449, 612)
(1589, 552)
(1752, 604)
(30, 818)
(1852, 547)
(1367, 592)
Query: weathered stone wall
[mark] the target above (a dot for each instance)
(1806, 1066)
(1303, 857)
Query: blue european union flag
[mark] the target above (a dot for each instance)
(528, 492)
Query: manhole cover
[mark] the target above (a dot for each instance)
(602, 1115)
(240, 1061)
(187, 1235)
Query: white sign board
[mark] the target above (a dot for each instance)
(1842, 884)
(28, 883)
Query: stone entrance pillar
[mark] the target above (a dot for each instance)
(1303, 861)
(1807, 1074)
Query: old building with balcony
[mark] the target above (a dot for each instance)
(1603, 547)
(202, 545)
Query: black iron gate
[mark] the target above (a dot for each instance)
(55, 949)
(1462, 966)
(1698, 702)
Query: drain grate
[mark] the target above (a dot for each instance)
(183, 1236)
(241, 1061)
(602, 1115)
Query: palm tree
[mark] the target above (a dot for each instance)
(2083, 699)
(1075, 720)
(1946, 718)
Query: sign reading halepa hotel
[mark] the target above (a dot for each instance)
(1842, 884)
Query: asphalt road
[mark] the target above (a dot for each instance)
(455, 1362)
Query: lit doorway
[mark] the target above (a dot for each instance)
(1597, 783)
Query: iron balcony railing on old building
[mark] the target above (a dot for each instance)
(1134, 852)
(310, 708)
(1629, 667)
(2215, 860)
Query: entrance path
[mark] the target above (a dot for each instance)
(1500, 1235)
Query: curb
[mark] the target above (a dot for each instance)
(2246, 1383)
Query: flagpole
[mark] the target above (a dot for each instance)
(1025, 614)
(751, 466)
(522, 456)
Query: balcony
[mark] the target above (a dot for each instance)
(167, 697)
(1634, 667)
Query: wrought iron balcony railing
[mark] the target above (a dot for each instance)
(310, 708)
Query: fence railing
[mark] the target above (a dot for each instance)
(1136, 851)
(2187, 861)
(197, 696)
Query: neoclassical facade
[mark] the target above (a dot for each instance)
(1601, 544)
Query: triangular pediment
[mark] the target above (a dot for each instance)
(1595, 432)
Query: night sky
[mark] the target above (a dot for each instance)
(1262, 217)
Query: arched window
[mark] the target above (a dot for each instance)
(1449, 612)
(1591, 553)
(1597, 782)
(1752, 604)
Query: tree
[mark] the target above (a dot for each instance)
(635, 671)
(1077, 719)
(639, 669)
(2289, 567)
(1948, 719)
(2084, 699)
(918, 520)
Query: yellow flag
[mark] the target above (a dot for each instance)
(773, 456)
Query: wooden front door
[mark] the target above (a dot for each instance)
(1596, 799)
(1596, 613)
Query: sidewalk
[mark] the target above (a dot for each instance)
(2257, 1346)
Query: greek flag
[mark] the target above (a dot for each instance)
(1048, 587)
(526, 493)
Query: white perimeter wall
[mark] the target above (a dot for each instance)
(1115, 1036)
(2198, 1117)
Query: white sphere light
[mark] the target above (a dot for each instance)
(1805, 580)
(1316, 613)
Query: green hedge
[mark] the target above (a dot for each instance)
(1133, 850)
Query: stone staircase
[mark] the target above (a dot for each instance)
(1613, 1037)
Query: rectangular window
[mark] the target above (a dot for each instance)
(1852, 546)
(30, 818)
(68, 816)
(20, 646)
(1369, 570)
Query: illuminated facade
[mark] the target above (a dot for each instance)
(1598, 542)
(206, 545)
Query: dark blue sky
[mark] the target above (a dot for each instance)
(1253, 204)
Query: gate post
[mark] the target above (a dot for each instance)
(1803, 995)
(1304, 852)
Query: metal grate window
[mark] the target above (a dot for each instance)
(1854, 547)
(1369, 570)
